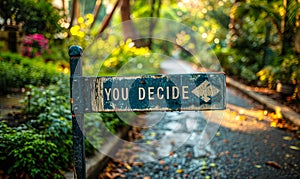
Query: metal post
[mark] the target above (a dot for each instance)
(75, 53)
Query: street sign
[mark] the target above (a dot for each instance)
(176, 92)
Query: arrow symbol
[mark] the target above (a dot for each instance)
(205, 91)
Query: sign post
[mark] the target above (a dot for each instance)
(176, 92)
(75, 53)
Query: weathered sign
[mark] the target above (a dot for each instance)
(199, 91)
(176, 92)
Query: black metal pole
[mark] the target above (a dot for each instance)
(75, 53)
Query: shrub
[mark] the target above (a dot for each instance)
(34, 45)
(17, 71)
(43, 146)
(287, 71)
(35, 16)
(26, 152)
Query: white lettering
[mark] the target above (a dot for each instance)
(175, 88)
(116, 94)
(159, 95)
(168, 92)
(125, 94)
(184, 92)
(141, 93)
(107, 92)
(150, 93)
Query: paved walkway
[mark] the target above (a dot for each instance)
(235, 143)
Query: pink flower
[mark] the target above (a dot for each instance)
(34, 45)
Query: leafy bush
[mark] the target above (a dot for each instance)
(286, 71)
(26, 152)
(36, 16)
(43, 146)
(17, 71)
(140, 60)
(235, 63)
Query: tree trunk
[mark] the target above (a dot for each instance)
(129, 31)
(287, 30)
(96, 11)
(107, 19)
(75, 12)
(266, 56)
(297, 36)
(154, 12)
(235, 24)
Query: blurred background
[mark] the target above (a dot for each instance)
(256, 41)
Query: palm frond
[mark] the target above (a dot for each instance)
(292, 11)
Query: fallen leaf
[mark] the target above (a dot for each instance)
(240, 118)
(179, 171)
(273, 164)
(108, 175)
(273, 124)
(294, 147)
(188, 154)
(258, 166)
(152, 134)
(186, 175)
(140, 164)
(203, 168)
(162, 162)
(212, 165)
(287, 138)
(235, 155)
(119, 170)
(287, 155)
(127, 166)
(171, 153)
(123, 176)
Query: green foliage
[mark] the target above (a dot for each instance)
(42, 146)
(287, 71)
(58, 52)
(27, 152)
(38, 17)
(8, 9)
(98, 126)
(42, 100)
(129, 59)
(234, 63)
(112, 121)
(17, 71)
